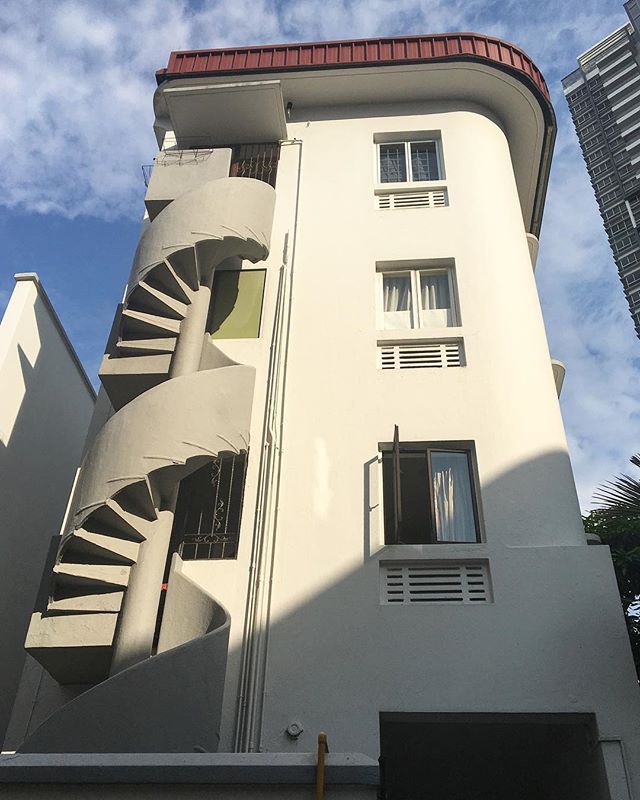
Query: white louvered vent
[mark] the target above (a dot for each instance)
(429, 198)
(422, 355)
(435, 582)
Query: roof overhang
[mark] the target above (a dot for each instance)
(220, 113)
(196, 90)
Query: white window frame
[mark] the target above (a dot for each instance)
(415, 311)
(407, 155)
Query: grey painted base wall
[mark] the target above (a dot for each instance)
(246, 776)
(141, 792)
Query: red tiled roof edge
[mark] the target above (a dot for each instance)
(354, 53)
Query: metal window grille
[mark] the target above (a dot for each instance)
(258, 161)
(408, 161)
(209, 510)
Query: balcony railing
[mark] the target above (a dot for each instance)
(257, 161)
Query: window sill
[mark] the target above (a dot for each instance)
(418, 334)
(397, 188)
(439, 551)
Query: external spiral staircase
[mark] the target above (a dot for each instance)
(168, 422)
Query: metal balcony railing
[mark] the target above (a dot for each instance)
(147, 169)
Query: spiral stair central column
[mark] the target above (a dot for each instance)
(139, 615)
(186, 358)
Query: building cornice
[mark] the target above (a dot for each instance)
(428, 49)
(355, 53)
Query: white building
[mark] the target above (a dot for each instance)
(337, 443)
(46, 402)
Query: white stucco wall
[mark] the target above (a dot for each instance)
(337, 658)
(46, 403)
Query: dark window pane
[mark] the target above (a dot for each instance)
(187, 551)
(424, 162)
(416, 524)
(258, 161)
(393, 166)
(209, 510)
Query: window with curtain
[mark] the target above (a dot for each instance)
(418, 299)
(403, 162)
(428, 494)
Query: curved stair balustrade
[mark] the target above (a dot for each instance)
(169, 703)
(180, 403)
(143, 450)
(174, 261)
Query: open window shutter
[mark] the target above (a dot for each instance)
(397, 487)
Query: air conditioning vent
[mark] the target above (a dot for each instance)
(429, 198)
(421, 355)
(435, 582)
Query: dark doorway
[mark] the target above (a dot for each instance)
(491, 757)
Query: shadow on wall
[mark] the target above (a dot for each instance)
(37, 465)
(339, 656)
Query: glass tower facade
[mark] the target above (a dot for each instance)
(604, 99)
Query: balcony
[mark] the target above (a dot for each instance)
(175, 172)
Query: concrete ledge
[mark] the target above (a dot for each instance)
(176, 768)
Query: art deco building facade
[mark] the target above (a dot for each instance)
(332, 491)
(604, 99)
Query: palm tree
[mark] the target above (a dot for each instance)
(621, 496)
(617, 522)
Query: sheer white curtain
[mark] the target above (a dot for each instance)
(435, 299)
(396, 301)
(453, 502)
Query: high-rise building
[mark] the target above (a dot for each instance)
(604, 99)
(333, 491)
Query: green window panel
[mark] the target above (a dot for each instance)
(236, 304)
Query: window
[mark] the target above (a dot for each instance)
(418, 298)
(257, 161)
(206, 524)
(236, 304)
(428, 493)
(402, 162)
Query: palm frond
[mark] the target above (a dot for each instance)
(620, 495)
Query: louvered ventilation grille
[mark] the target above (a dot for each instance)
(428, 582)
(430, 198)
(420, 356)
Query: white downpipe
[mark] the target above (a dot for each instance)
(248, 734)
(255, 623)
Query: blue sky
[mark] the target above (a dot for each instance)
(76, 125)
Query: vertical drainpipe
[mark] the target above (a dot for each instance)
(249, 713)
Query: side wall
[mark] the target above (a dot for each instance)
(46, 403)
(337, 656)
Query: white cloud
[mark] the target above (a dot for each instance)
(76, 124)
